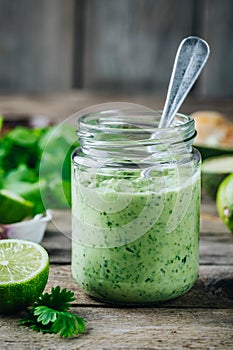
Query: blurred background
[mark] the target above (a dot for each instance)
(118, 46)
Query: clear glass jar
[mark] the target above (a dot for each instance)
(135, 207)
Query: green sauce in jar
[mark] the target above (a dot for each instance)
(135, 234)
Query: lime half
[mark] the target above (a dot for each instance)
(225, 201)
(13, 208)
(214, 170)
(24, 269)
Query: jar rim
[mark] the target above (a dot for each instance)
(100, 120)
(133, 133)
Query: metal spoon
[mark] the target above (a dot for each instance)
(191, 57)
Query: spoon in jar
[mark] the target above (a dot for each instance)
(191, 57)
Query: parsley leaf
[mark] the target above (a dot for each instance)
(49, 314)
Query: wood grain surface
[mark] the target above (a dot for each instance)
(124, 45)
(147, 328)
(36, 45)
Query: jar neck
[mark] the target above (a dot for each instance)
(134, 135)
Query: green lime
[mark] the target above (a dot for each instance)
(24, 269)
(30, 192)
(13, 208)
(225, 201)
(214, 170)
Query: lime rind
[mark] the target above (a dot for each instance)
(17, 295)
(13, 207)
(214, 171)
(224, 201)
(218, 165)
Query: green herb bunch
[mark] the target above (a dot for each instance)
(35, 164)
(50, 314)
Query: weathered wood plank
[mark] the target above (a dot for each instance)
(148, 328)
(217, 24)
(216, 250)
(36, 45)
(214, 288)
(131, 44)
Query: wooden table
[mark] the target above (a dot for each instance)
(201, 319)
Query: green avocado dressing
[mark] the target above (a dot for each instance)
(133, 241)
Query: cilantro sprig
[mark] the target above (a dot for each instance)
(50, 314)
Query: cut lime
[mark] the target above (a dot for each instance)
(13, 208)
(24, 268)
(30, 192)
(214, 170)
(225, 201)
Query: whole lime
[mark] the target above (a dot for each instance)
(224, 201)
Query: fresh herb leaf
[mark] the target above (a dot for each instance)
(21, 173)
(23, 136)
(20, 146)
(45, 314)
(68, 324)
(35, 163)
(58, 299)
(30, 321)
(49, 314)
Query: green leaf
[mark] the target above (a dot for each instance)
(68, 324)
(12, 154)
(59, 299)
(49, 314)
(27, 154)
(27, 319)
(30, 321)
(56, 147)
(21, 173)
(45, 314)
(23, 136)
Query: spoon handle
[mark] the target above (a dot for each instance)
(191, 57)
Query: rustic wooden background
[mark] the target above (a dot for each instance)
(123, 45)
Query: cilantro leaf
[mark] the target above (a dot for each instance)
(49, 314)
(30, 321)
(58, 299)
(45, 314)
(68, 324)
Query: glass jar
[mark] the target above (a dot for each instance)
(135, 207)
